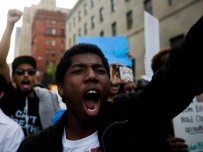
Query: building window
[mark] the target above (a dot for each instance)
(148, 6)
(113, 26)
(102, 33)
(85, 9)
(47, 21)
(62, 43)
(47, 42)
(53, 43)
(101, 14)
(53, 31)
(62, 32)
(74, 38)
(74, 22)
(79, 15)
(62, 23)
(113, 5)
(92, 3)
(53, 21)
(53, 52)
(174, 41)
(172, 2)
(69, 42)
(62, 53)
(129, 17)
(47, 52)
(79, 32)
(48, 30)
(70, 27)
(93, 22)
(46, 63)
(85, 28)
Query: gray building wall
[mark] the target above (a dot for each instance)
(174, 20)
(17, 43)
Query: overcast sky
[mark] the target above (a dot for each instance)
(19, 4)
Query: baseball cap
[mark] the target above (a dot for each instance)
(23, 59)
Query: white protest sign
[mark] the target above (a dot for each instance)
(189, 126)
(152, 41)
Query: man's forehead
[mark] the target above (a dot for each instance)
(24, 65)
(85, 58)
(87, 65)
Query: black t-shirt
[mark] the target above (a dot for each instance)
(13, 104)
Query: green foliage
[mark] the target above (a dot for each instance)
(51, 69)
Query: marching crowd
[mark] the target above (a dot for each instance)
(104, 113)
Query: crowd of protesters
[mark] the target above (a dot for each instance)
(103, 111)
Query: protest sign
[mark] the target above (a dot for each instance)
(152, 42)
(115, 48)
(189, 126)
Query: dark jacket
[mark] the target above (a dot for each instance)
(48, 103)
(134, 122)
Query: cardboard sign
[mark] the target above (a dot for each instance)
(115, 48)
(189, 126)
(152, 41)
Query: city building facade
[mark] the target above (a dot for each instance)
(48, 38)
(25, 35)
(126, 17)
(32, 38)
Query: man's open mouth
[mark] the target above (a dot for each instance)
(91, 101)
(25, 84)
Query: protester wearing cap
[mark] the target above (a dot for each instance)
(23, 59)
(31, 107)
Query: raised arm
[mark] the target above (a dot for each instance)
(12, 17)
(174, 85)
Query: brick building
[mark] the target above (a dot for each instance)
(48, 38)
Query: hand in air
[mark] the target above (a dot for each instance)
(13, 15)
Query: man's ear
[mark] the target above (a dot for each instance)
(1, 94)
(60, 89)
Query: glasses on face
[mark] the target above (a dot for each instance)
(22, 71)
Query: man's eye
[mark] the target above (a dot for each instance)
(77, 71)
(101, 71)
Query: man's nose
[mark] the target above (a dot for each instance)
(91, 74)
(26, 73)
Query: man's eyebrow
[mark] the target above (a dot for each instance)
(98, 65)
(84, 65)
(78, 65)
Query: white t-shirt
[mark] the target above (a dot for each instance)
(88, 144)
(11, 134)
(194, 100)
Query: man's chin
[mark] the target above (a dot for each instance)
(27, 92)
(24, 92)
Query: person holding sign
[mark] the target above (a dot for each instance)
(91, 123)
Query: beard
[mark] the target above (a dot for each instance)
(24, 93)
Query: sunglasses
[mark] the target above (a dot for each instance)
(22, 71)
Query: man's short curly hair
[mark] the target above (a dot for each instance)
(81, 48)
(156, 61)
